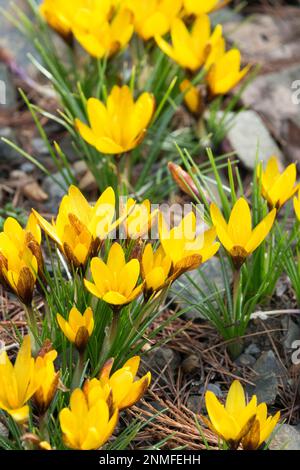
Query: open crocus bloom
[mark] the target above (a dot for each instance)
(100, 33)
(191, 49)
(139, 218)
(20, 257)
(115, 281)
(86, 426)
(122, 385)
(78, 328)
(237, 236)
(184, 247)
(225, 72)
(18, 382)
(277, 187)
(153, 17)
(234, 420)
(119, 125)
(79, 227)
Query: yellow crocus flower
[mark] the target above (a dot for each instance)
(115, 281)
(156, 267)
(49, 381)
(192, 96)
(153, 17)
(85, 426)
(139, 218)
(78, 328)
(237, 236)
(20, 257)
(261, 429)
(225, 72)
(18, 382)
(79, 227)
(123, 386)
(191, 49)
(101, 35)
(60, 14)
(233, 421)
(119, 125)
(277, 187)
(184, 247)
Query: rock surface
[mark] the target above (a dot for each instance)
(286, 437)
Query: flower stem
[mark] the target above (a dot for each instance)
(235, 348)
(76, 380)
(43, 428)
(32, 327)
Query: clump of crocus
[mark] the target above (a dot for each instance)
(87, 425)
(101, 30)
(120, 124)
(79, 227)
(238, 421)
(237, 236)
(20, 257)
(225, 72)
(277, 187)
(18, 382)
(191, 49)
(49, 379)
(153, 17)
(121, 387)
(78, 328)
(186, 249)
(156, 267)
(115, 282)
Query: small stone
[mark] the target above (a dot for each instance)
(40, 147)
(190, 364)
(251, 140)
(266, 388)
(292, 334)
(4, 432)
(215, 388)
(8, 154)
(267, 363)
(286, 437)
(54, 190)
(193, 403)
(8, 95)
(252, 349)
(27, 167)
(245, 360)
(225, 15)
(162, 359)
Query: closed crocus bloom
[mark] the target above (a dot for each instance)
(192, 96)
(49, 381)
(18, 382)
(261, 429)
(237, 236)
(60, 14)
(79, 226)
(84, 426)
(20, 257)
(198, 7)
(190, 49)
(119, 125)
(277, 187)
(156, 268)
(153, 17)
(101, 35)
(115, 281)
(234, 420)
(225, 73)
(78, 328)
(124, 387)
(139, 218)
(184, 247)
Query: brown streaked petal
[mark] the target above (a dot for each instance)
(81, 339)
(106, 370)
(25, 285)
(70, 256)
(251, 440)
(238, 255)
